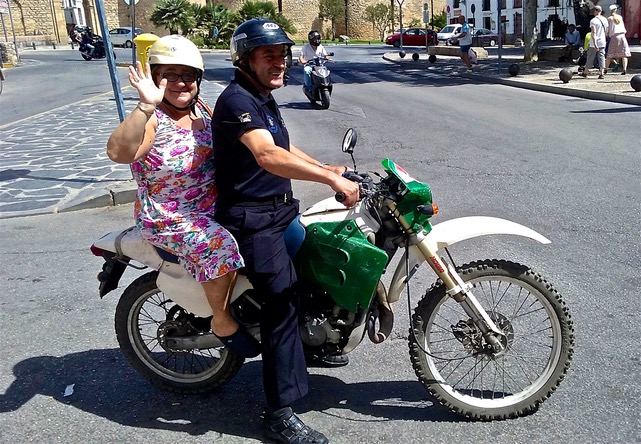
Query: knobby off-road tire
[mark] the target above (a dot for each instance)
(140, 314)
(471, 380)
(325, 98)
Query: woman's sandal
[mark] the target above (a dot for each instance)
(242, 343)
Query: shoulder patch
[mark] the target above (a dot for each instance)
(245, 117)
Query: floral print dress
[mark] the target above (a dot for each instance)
(176, 200)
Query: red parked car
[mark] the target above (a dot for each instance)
(413, 37)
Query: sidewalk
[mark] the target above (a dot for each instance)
(56, 161)
(538, 76)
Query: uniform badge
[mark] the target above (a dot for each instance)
(245, 118)
(271, 125)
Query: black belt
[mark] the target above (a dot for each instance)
(264, 201)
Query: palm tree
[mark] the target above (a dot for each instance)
(174, 15)
(266, 9)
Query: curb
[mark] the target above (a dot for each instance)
(591, 95)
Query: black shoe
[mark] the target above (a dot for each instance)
(329, 361)
(242, 343)
(283, 425)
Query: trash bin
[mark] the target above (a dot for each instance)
(143, 42)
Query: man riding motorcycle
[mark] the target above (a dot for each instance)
(88, 39)
(312, 49)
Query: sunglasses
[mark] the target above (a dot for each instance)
(187, 77)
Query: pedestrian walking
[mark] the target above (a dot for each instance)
(465, 41)
(598, 32)
(618, 47)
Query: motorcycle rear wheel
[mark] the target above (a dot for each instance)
(86, 56)
(462, 374)
(143, 314)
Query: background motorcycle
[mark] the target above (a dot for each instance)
(321, 82)
(490, 339)
(99, 51)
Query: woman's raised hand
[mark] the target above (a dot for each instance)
(143, 82)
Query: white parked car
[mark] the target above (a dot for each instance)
(123, 36)
(450, 31)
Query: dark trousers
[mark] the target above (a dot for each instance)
(259, 233)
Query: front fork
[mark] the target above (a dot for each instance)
(460, 291)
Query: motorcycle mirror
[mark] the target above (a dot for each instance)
(331, 54)
(349, 141)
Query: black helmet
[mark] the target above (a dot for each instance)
(253, 34)
(314, 38)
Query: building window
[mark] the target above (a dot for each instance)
(456, 4)
(518, 3)
(503, 4)
(487, 22)
(553, 3)
(518, 25)
(486, 5)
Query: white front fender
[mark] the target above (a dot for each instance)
(450, 232)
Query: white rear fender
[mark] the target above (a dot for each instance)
(131, 244)
(450, 232)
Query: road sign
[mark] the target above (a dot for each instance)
(448, 9)
(128, 2)
(4, 7)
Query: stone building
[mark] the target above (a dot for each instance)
(48, 21)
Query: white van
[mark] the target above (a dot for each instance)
(450, 31)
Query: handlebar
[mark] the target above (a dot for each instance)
(364, 181)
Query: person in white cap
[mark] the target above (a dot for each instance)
(618, 47)
(598, 30)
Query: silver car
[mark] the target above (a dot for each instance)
(123, 36)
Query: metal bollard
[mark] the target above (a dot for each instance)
(33, 45)
(54, 45)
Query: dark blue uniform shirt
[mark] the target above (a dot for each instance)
(239, 109)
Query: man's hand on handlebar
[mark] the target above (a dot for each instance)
(346, 191)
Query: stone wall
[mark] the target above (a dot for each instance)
(46, 17)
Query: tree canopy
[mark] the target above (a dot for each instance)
(379, 16)
(331, 10)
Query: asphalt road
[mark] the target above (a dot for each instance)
(568, 168)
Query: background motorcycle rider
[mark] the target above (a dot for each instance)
(307, 53)
(167, 141)
(88, 38)
(255, 163)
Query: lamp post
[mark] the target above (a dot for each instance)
(432, 12)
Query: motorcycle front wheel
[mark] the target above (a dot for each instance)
(324, 98)
(463, 373)
(85, 56)
(144, 317)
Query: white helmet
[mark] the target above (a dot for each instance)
(176, 50)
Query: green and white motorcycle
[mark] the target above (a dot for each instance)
(491, 339)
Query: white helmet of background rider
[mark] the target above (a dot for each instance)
(176, 50)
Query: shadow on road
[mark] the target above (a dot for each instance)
(105, 385)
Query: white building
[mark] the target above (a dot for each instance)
(552, 15)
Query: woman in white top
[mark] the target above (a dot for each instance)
(618, 47)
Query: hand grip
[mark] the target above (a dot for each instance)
(340, 197)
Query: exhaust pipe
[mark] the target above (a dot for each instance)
(383, 314)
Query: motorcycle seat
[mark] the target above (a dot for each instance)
(166, 255)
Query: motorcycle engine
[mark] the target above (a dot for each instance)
(316, 331)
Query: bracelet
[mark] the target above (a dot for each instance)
(146, 108)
